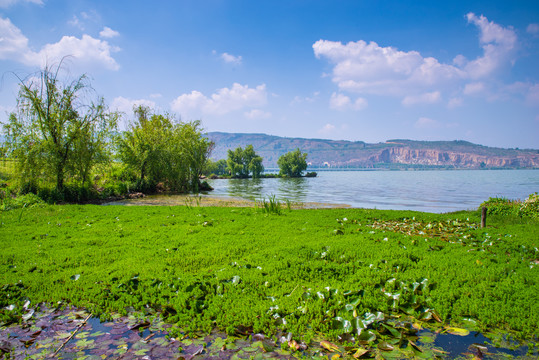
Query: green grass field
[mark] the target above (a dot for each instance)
(327, 273)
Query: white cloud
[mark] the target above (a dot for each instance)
(474, 88)
(257, 114)
(327, 129)
(86, 51)
(533, 29)
(426, 123)
(498, 43)
(309, 99)
(156, 96)
(225, 100)
(368, 68)
(342, 102)
(426, 98)
(126, 105)
(75, 21)
(231, 59)
(8, 3)
(108, 33)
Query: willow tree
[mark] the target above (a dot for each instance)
(55, 129)
(161, 149)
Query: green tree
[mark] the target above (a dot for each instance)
(242, 162)
(162, 150)
(216, 167)
(54, 131)
(292, 164)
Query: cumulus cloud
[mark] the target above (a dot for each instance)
(225, 100)
(342, 102)
(426, 98)
(126, 105)
(7, 3)
(85, 51)
(371, 69)
(257, 114)
(498, 43)
(108, 33)
(368, 68)
(231, 59)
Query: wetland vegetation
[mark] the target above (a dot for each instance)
(318, 282)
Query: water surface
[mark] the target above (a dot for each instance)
(432, 191)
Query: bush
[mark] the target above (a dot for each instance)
(530, 206)
(499, 206)
(502, 206)
(27, 200)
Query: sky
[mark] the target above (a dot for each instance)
(345, 70)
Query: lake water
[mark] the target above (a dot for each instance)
(431, 191)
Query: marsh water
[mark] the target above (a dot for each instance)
(432, 191)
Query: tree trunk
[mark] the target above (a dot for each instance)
(59, 177)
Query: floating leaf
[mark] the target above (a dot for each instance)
(367, 336)
(360, 352)
(385, 346)
(396, 333)
(28, 315)
(457, 331)
(343, 325)
(329, 346)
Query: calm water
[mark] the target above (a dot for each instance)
(431, 191)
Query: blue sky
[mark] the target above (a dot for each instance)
(353, 70)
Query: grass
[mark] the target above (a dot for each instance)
(326, 272)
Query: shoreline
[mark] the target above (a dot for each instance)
(203, 200)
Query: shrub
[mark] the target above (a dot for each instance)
(502, 206)
(530, 206)
(27, 200)
(499, 206)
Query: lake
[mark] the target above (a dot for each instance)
(431, 191)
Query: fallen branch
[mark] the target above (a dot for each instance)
(71, 336)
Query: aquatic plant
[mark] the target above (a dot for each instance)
(243, 272)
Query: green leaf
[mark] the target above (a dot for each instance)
(457, 331)
(385, 346)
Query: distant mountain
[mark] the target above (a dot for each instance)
(391, 154)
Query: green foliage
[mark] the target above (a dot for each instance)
(242, 162)
(55, 134)
(272, 206)
(530, 206)
(506, 207)
(23, 201)
(218, 167)
(293, 163)
(234, 268)
(162, 150)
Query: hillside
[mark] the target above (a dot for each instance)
(395, 153)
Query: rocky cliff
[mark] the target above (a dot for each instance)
(391, 154)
